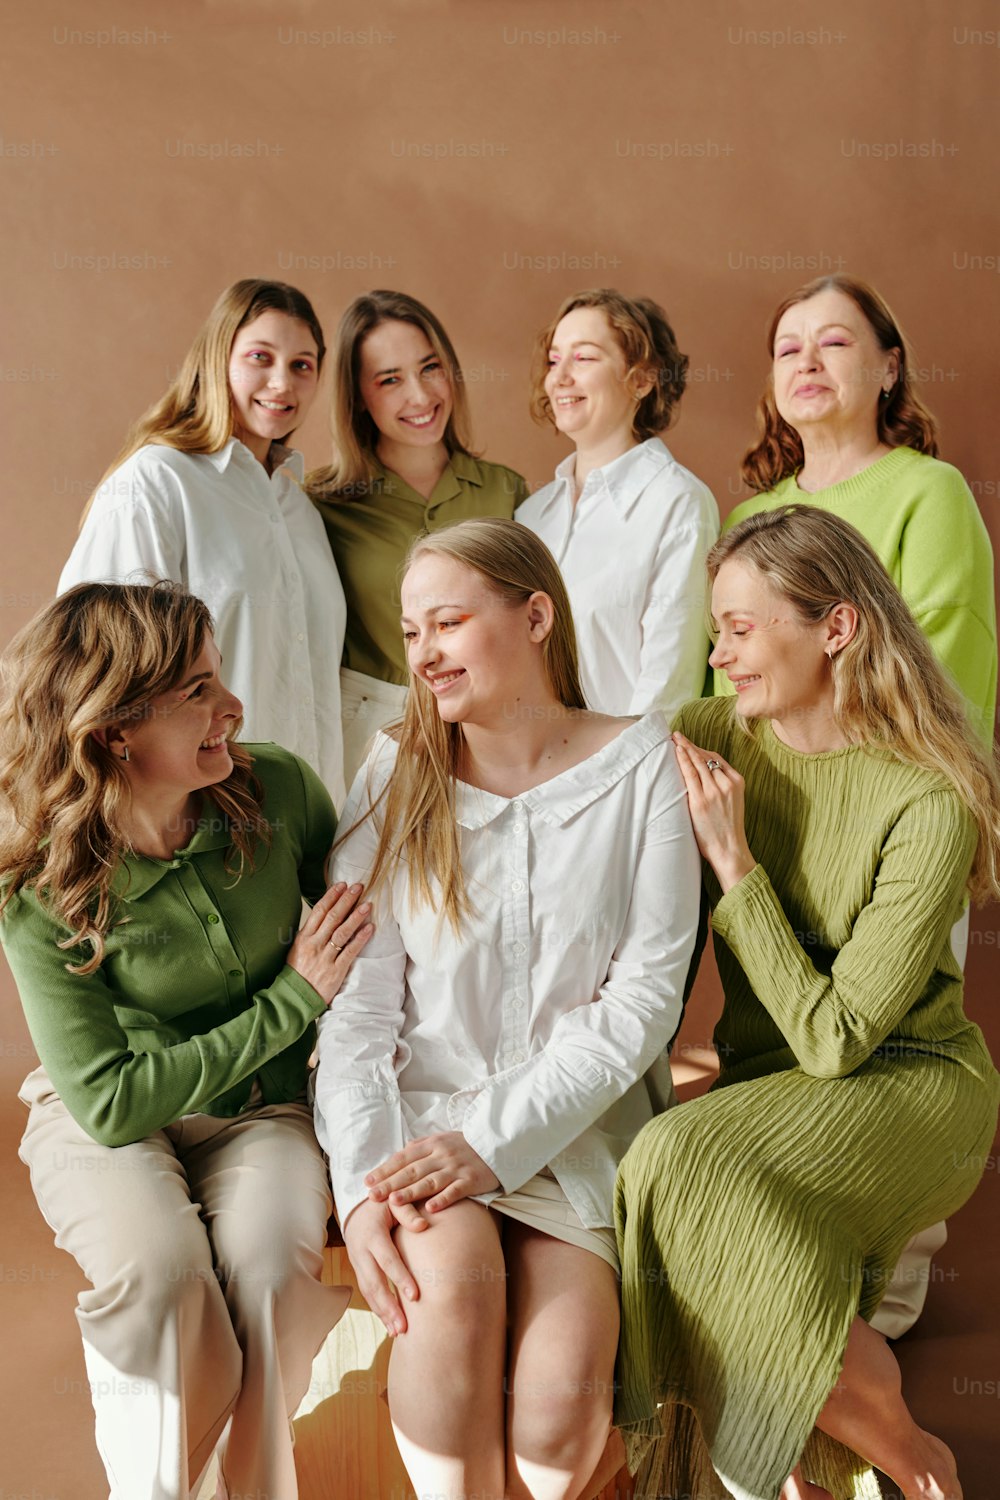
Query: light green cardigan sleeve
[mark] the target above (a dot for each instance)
(833, 1022)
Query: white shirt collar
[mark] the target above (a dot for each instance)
(561, 798)
(287, 458)
(622, 481)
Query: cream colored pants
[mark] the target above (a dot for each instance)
(366, 706)
(906, 1292)
(203, 1245)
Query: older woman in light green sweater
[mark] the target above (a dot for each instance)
(842, 428)
(856, 1103)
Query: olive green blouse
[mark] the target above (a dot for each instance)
(370, 533)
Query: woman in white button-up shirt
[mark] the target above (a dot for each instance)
(205, 493)
(629, 526)
(502, 1039)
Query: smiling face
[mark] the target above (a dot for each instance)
(405, 387)
(591, 402)
(776, 660)
(273, 377)
(475, 652)
(828, 367)
(180, 744)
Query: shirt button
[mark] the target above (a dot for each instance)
(518, 947)
(300, 636)
(517, 805)
(236, 973)
(517, 885)
(387, 1097)
(518, 1004)
(519, 1057)
(212, 917)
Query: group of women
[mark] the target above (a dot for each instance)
(498, 949)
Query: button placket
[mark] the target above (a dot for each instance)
(517, 935)
(214, 929)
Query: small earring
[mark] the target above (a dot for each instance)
(124, 754)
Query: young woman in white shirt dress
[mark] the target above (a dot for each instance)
(629, 526)
(205, 493)
(502, 1039)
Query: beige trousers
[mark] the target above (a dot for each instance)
(203, 1245)
(906, 1292)
(366, 706)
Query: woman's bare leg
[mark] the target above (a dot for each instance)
(866, 1411)
(446, 1372)
(563, 1310)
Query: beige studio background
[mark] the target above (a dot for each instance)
(489, 157)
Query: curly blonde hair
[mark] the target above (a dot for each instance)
(92, 660)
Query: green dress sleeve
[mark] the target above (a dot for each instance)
(833, 1022)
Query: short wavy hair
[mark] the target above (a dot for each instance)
(646, 339)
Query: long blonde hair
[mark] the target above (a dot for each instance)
(355, 436)
(889, 689)
(901, 418)
(195, 415)
(95, 659)
(418, 823)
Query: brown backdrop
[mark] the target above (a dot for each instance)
(489, 157)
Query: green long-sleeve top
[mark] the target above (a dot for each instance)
(837, 943)
(920, 517)
(193, 998)
(370, 533)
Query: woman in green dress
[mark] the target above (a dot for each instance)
(759, 1224)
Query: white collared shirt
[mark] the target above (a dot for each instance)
(632, 551)
(253, 547)
(539, 1031)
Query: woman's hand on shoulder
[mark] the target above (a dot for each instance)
(715, 800)
(377, 1262)
(436, 1170)
(330, 939)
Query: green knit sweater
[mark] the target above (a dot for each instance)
(921, 519)
(837, 944)
(194, 998)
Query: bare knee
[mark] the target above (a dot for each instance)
(559, 1424)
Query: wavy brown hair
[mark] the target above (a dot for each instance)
(418, 825)
(644, 335)
(889, 691)
(355, 437)
(195, 415)
(902, 419)
(94, 659)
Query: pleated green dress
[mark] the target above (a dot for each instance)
(855, 1106)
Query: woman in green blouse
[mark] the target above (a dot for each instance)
(152, 878)
(403, 465)
(856, 1102)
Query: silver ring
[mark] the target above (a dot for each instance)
(713, 765)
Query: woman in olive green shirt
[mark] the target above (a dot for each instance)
(152, 877)
(402, 467)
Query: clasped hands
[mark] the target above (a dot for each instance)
(426, 1176)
